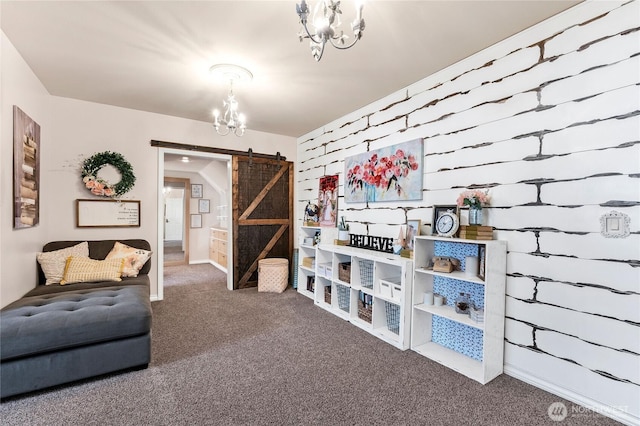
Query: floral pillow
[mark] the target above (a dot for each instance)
(53, 262)
(134, 258)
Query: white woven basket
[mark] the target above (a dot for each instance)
(273, 275)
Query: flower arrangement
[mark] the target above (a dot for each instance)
(473, 198)
(382, 172)
(98, 186)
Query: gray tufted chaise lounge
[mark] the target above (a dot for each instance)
(58, 334)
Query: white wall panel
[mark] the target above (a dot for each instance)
(597, 330)
(523, 288)
(598, 80)
(594, 300)
(591, 245)
(593, 357)
(518, 332)
(549, 121)
(586, 32)
(600, 135)
(610, 397)
(619, 276)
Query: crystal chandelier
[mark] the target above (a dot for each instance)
(231, 121)
(326, 21)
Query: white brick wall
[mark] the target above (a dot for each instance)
(549, 121)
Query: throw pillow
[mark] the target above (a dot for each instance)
(134, 258)
(86, 270)
(53, 262)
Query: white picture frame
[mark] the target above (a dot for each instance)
(196, 221)
(615, 225)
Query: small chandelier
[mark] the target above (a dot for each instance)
(326, 20)
(231, 121)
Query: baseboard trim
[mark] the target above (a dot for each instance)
(576, 398)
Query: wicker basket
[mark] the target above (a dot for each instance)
(366, 273)
(365, 311)
(273, 275)
(393, 317)
(343, 297)
(327, 294)
(344, 272)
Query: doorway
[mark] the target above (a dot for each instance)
(194, 168)
(176, 226)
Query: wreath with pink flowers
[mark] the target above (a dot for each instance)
(98, 186)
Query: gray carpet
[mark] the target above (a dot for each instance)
(173, 251)
(249, 358)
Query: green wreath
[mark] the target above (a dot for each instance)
(98, 186)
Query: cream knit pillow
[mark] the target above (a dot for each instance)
(53, 262)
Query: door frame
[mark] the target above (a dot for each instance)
(186, 202)
(160, 219)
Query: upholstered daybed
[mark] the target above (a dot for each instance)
(58, 334)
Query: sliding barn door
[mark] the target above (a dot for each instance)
(262, 215)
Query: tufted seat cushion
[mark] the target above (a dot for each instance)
(50, 322)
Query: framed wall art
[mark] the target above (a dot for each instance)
(196, 221)
(105, 213)
(26, 170)
(196, 190)
(204, 206)
(393, 173)
(328, 201)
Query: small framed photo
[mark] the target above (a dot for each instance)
(196, 221)
(204, 206)
(413, 229)
(438, 210)
(196, 190)
(615, 225)
(482, 255)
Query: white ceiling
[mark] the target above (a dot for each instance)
(155, 55)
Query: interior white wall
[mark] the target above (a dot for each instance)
(22, 88)
(72, 130)
(549, 121)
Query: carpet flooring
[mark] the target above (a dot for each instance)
(241, 357)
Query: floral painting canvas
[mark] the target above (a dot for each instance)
(328, 201)
(388, 174)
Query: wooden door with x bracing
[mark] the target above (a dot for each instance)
(262, 215)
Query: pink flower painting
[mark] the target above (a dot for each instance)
(388, 174)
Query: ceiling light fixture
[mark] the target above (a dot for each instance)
(231, 121)
(326, 21)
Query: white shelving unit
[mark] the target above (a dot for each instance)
(309, 236)
(380, 281)
(475, 349)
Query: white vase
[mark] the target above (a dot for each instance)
(343, 235)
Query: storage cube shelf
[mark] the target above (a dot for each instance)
(472, 348)
(307, 268)
(359, 297)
